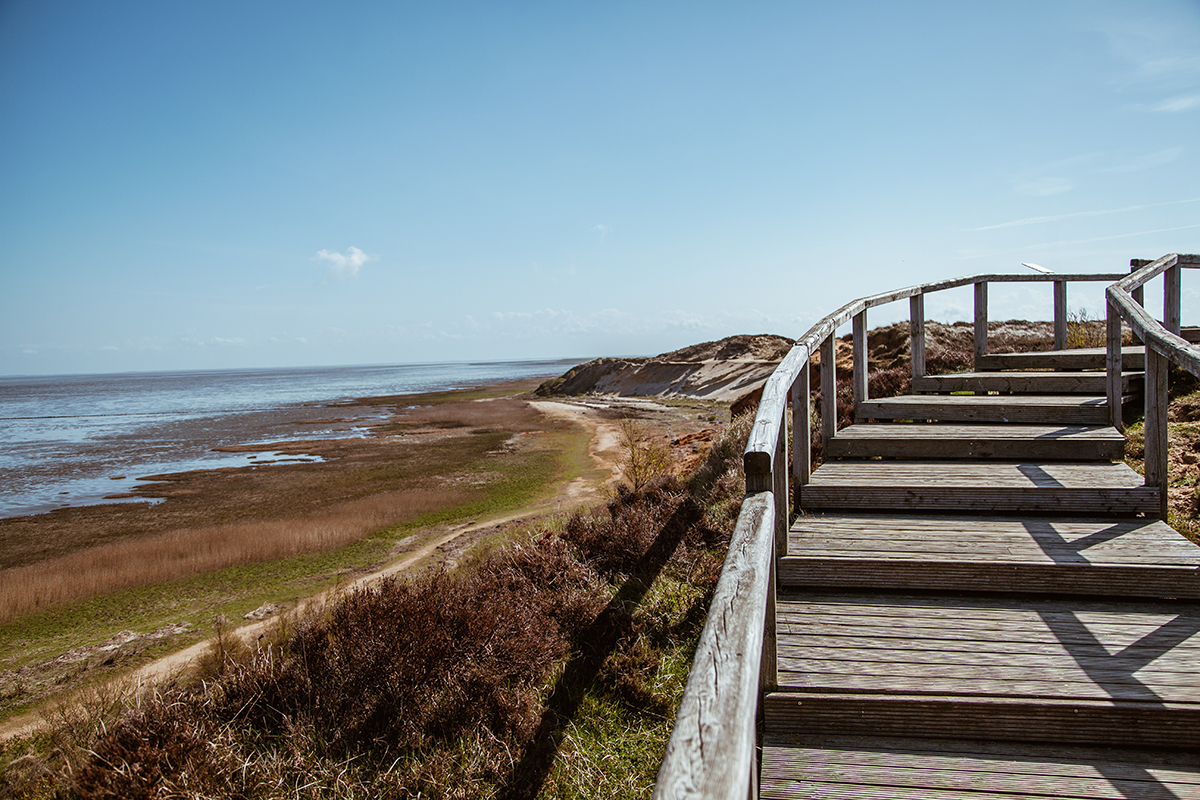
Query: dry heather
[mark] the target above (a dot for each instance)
(195, 551)
(448, 685)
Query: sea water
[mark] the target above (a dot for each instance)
(71, 440)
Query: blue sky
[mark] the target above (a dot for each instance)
(211, 185)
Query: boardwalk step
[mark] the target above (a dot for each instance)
(979, 487)
(1132, 358)
(1028, 382)
(821, 767)
(1130, 558)
(996, 717)
(1074, 442)
(1023, 409)
(1065, 670)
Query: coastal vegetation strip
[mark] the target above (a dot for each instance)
(542, 669)
(229, 556)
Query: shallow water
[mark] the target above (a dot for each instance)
(76, 439)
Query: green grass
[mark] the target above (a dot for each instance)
(612, 749)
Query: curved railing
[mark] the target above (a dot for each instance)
(1163, 345)
(712, 750)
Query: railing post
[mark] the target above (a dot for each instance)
(828, 390)
(1171, 298)
(1156, 426)
(801, 433)
(780, 484)
(916, 334)
(768, 668)
(1113, 366)
(981, 321)
(861, 366)
(1060, 315)
(1138, 294)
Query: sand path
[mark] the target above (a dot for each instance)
(603, 449)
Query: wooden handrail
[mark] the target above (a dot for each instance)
(712, 750)
(1123, 303)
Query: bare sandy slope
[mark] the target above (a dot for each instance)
(589, 489)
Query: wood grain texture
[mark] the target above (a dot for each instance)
(916, 331)
(711, 752)
(1076, 359)
(980, 487)
(981, 320)
(946, 440)
(1060, 315)
(1039, 409)
(811, 767)
(1094, 383)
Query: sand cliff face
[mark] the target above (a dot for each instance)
(723, 370)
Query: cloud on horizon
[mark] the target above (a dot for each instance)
(344, 265)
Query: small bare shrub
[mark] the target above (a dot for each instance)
(644, 458)
(1083, 331)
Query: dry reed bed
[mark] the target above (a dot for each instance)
(194, 551)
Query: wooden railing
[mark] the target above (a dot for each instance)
(712, 750)
(1163, 345)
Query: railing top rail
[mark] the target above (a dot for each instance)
(711, 753)
(1151, 331)
(760, 449)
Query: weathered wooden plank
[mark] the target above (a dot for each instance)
(1171, 297)
(801, 431)
(916, 331)
(859, 347)
(868, 767)
(937, 441)
(1113, 378)
(1024, 382)
(1156, 427)
(1075, 721)
(828, 390)
(711, 752)
(1060, 315)
(758, 460)
(981, 320)
(1076, 359)
(989, 575)
(1042, 409)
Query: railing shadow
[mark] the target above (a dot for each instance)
(595, 645)
(1114, 672)
(1061, 551)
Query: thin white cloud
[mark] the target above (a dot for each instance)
(1044, 187)
(1057, 217)
(344, 265)
(601, 229)
(1147, 161)
(1182, 103)
(1066, 243)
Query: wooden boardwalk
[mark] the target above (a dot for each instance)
(977, 602)
(976, 599)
